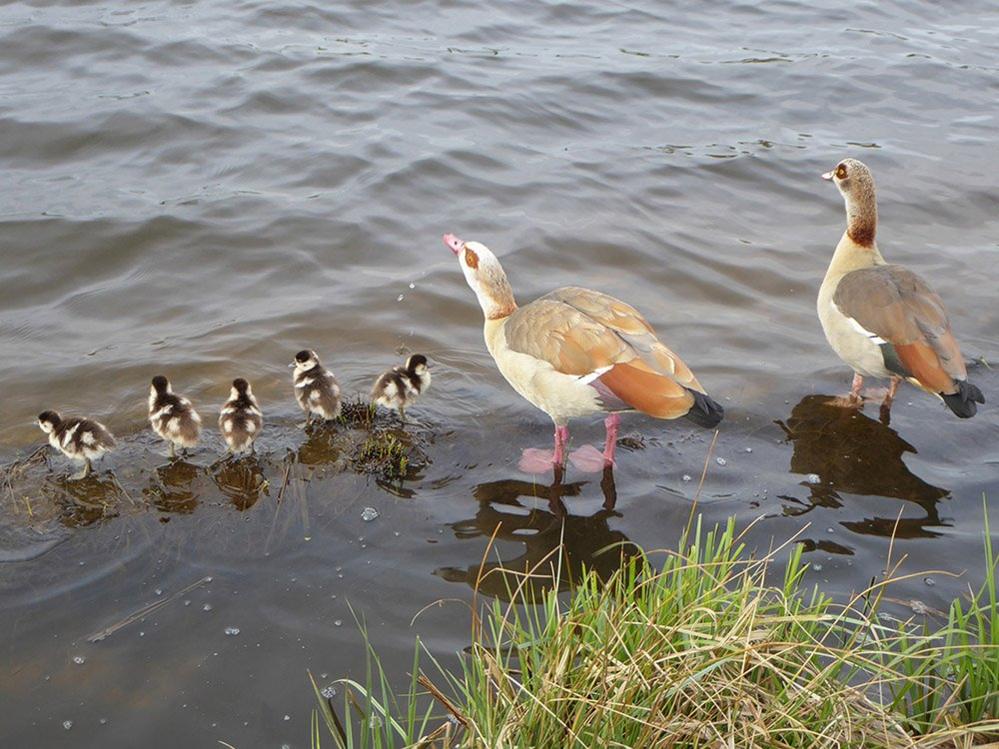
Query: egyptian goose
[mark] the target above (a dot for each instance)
(884, 320)
(240, 420)
(83, 440)
(172, 416)
(316, 389)
(576, 352)
(399, 387)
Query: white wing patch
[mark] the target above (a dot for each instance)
(873, 337)
(588, 378)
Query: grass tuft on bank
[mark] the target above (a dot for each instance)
(710, 647)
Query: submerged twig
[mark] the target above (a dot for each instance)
(144, 611)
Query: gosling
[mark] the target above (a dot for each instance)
(82, 440)
(316, 389)
(240, 420)
(399, 387)
(172, 416)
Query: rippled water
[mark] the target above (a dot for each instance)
(203, 189)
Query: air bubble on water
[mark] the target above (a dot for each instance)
(207, 607)
(103, 721)
(400, 297)
(231, 631)
(412, 285)
(396, 533)
(142, 634)
(830, 530)
(79, 660)
(338, 622)
(929, 581)
(375, 721)
(287, 717)
(328, 692)
(749, 449)
(721, 461)
(187, 602)
(368, 514)
(817, 567)
(209, 579)
(67, 724)
(158, 591)
(687, 477)
(814, 478)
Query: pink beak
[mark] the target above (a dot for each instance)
(453, 243)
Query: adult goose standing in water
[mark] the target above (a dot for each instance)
(882, 319)
(576, 352)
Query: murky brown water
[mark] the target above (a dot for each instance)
(202, 190)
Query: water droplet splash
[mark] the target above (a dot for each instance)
(231, 631)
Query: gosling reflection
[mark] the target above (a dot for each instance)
(171, 488)
(854, 454)
(241, 480)
(555, 542)
(86, 500)
(323, 448)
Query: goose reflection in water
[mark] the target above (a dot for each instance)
(854, 454)
(553, 539)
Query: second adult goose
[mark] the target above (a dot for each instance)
(884, 320)
(576, 352)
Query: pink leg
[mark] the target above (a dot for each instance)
(610, 443)
(561, 440)
(858, 383)
(886, 404)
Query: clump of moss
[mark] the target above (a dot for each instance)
(358, 413)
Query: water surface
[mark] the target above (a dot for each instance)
(203, 189)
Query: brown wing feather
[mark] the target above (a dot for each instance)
(899, 307)
(580, 332)
(630, 326)
(648, 391)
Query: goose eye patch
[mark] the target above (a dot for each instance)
(471, 259)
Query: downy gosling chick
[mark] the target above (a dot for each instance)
(316, 389)
(82, 440)
(172, 416)
(399, 387)
(240, 420)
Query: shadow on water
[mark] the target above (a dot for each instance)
(557, 544)
(845, 452)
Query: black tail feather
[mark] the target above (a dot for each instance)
(705, 412)
(963, 401)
